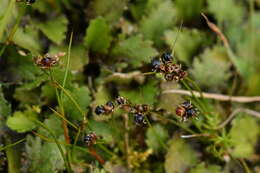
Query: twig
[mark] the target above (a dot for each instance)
(220, 97)
(230, 53)
(235, 112)
(215, 29)
(197, 135)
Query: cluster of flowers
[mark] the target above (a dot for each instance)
(139, 110)
(166, 66)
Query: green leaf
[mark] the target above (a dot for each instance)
(105, 130)
(98, 36)
(48, 93)
(102, 95)
(158, 20)
(28, 39)
(25, 97)
(227, 11)
(144, 94)
(188, 9)
(152, 140)
(203, 168)
(19, 68)
(82, 97)
(138, 9)
(111, 10)
(244, 133)
(55, 29)
(128, 49)
(55, 124)
(5, 107)
(180, 157)
(35, 83)
(6, 14)
(58, 75)
(79, 56)
(43, 157)
(21, 121)
(183, 49)
(216, 60)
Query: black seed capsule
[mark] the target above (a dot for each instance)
(187, 105)
(99, 110)
(90, 139)
(110, 104)
(168, 77)
(30, 1)
(166, 57)
(121, 100)
(155, 64)
(139, 118)
(191, 113)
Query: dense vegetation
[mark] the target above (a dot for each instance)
(55, 114)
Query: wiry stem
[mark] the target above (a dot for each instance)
(220, 97)
(235, 112)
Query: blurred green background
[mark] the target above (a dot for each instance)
(113, 43)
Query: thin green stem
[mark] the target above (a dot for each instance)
(76, 140)
(11, 145)
(67, 65)
(71, 98)
(67, 164)
(201, 105)
(63, 118)
(156, 135)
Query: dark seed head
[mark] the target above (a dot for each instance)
(121, 100)
(141, 108)
(110, 104)
(87, 138)
(139, 118)
(155, 64)
(191, 113)
(99, 110)
(169, 77)
(187, 105)
(46, 61)
(182, 74)
(90, 139)
(166, 57)
(30, 1)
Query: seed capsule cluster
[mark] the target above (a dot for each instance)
(90, 139)
(107, 109)
(166, 66)
(47, 61)
(139, 110)
(186, 111)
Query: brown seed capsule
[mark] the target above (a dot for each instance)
(90, 139)
(141, 108)
(180, 111)
(109, 107)
(121, 100)
(186, 111)
(48, 61)
(169, 76)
